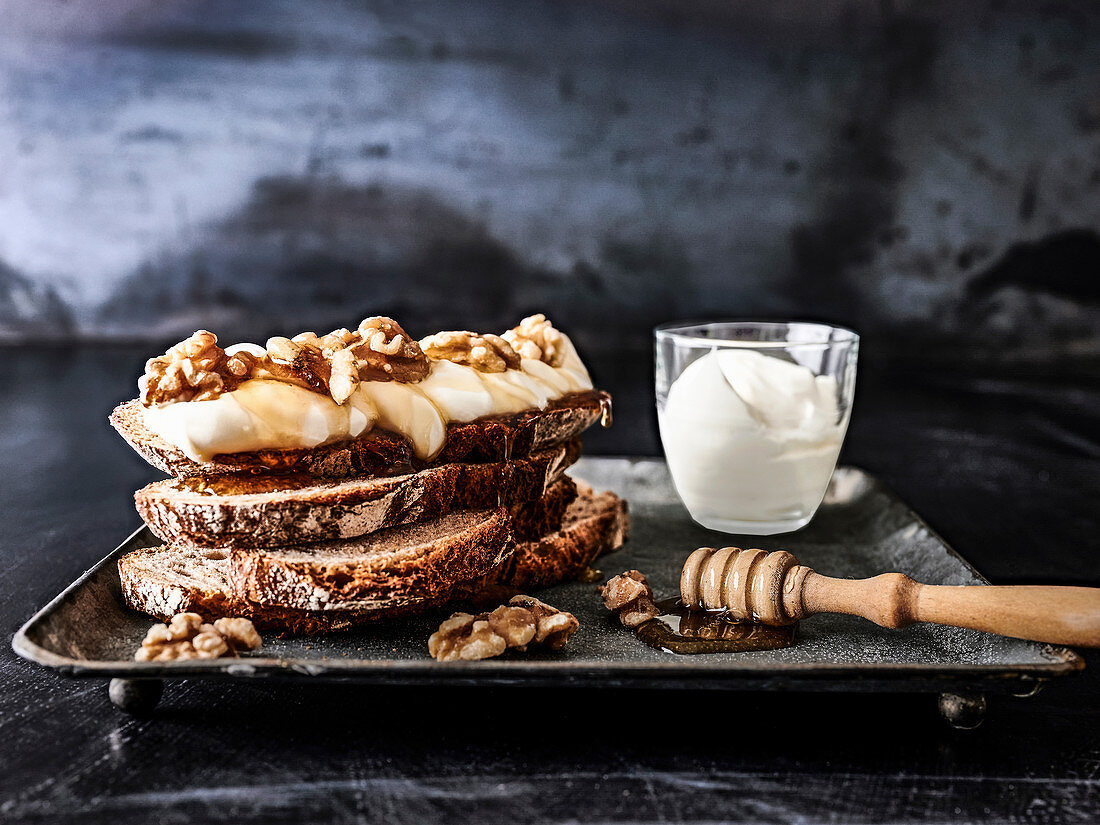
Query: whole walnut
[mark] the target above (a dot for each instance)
(387, 353)
(535, 337)
(299, 359)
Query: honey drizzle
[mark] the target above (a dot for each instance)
(507, 468)
(606, 416)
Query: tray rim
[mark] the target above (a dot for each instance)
(902, 677)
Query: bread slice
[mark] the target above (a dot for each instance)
(382, 572)
(270, 509)
(493, 438)
(163, 580)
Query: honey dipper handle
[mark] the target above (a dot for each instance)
(1059, 615)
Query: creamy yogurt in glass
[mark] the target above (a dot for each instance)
(752, 428)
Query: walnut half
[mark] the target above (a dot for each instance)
(186, 636)
(195, 369)
(522, 621)
(485, 353)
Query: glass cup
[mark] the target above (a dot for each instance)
(752, 416)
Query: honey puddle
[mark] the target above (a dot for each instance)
(680, 630)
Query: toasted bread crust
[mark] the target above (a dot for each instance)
(378, 452)
(312, 511)
(595, 524)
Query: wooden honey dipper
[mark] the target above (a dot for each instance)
(773, 588)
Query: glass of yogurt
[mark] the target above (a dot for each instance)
(752, 416)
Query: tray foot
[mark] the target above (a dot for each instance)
(1026, 691)
(135, 696)
(964, 711)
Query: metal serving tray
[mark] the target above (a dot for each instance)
(862, 529)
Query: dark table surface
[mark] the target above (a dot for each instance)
(1005, 469)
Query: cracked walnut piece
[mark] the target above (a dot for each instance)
(522, 621)
(535, 337)
(186, 636)
(485, 353)
(630, 596)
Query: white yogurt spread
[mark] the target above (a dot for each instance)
(751, 439)
(268, 414)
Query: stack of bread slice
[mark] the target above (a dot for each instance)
(319, 539)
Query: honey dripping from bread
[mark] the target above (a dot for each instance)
(507, 470)
(606, 416)
(680, 630)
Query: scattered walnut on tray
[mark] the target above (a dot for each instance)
(524, 620)
(630, 596)
(186, 636)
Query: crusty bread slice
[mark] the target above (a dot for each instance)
(162, 580)
(271, 509)
(414, 563)
(169, 579)
(382, 572)
(378, 452)
(402, 565)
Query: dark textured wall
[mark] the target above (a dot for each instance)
(926, 172)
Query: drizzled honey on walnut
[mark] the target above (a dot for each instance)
(535, 337)
(379, 350)
(484, 352)
(197, 369)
